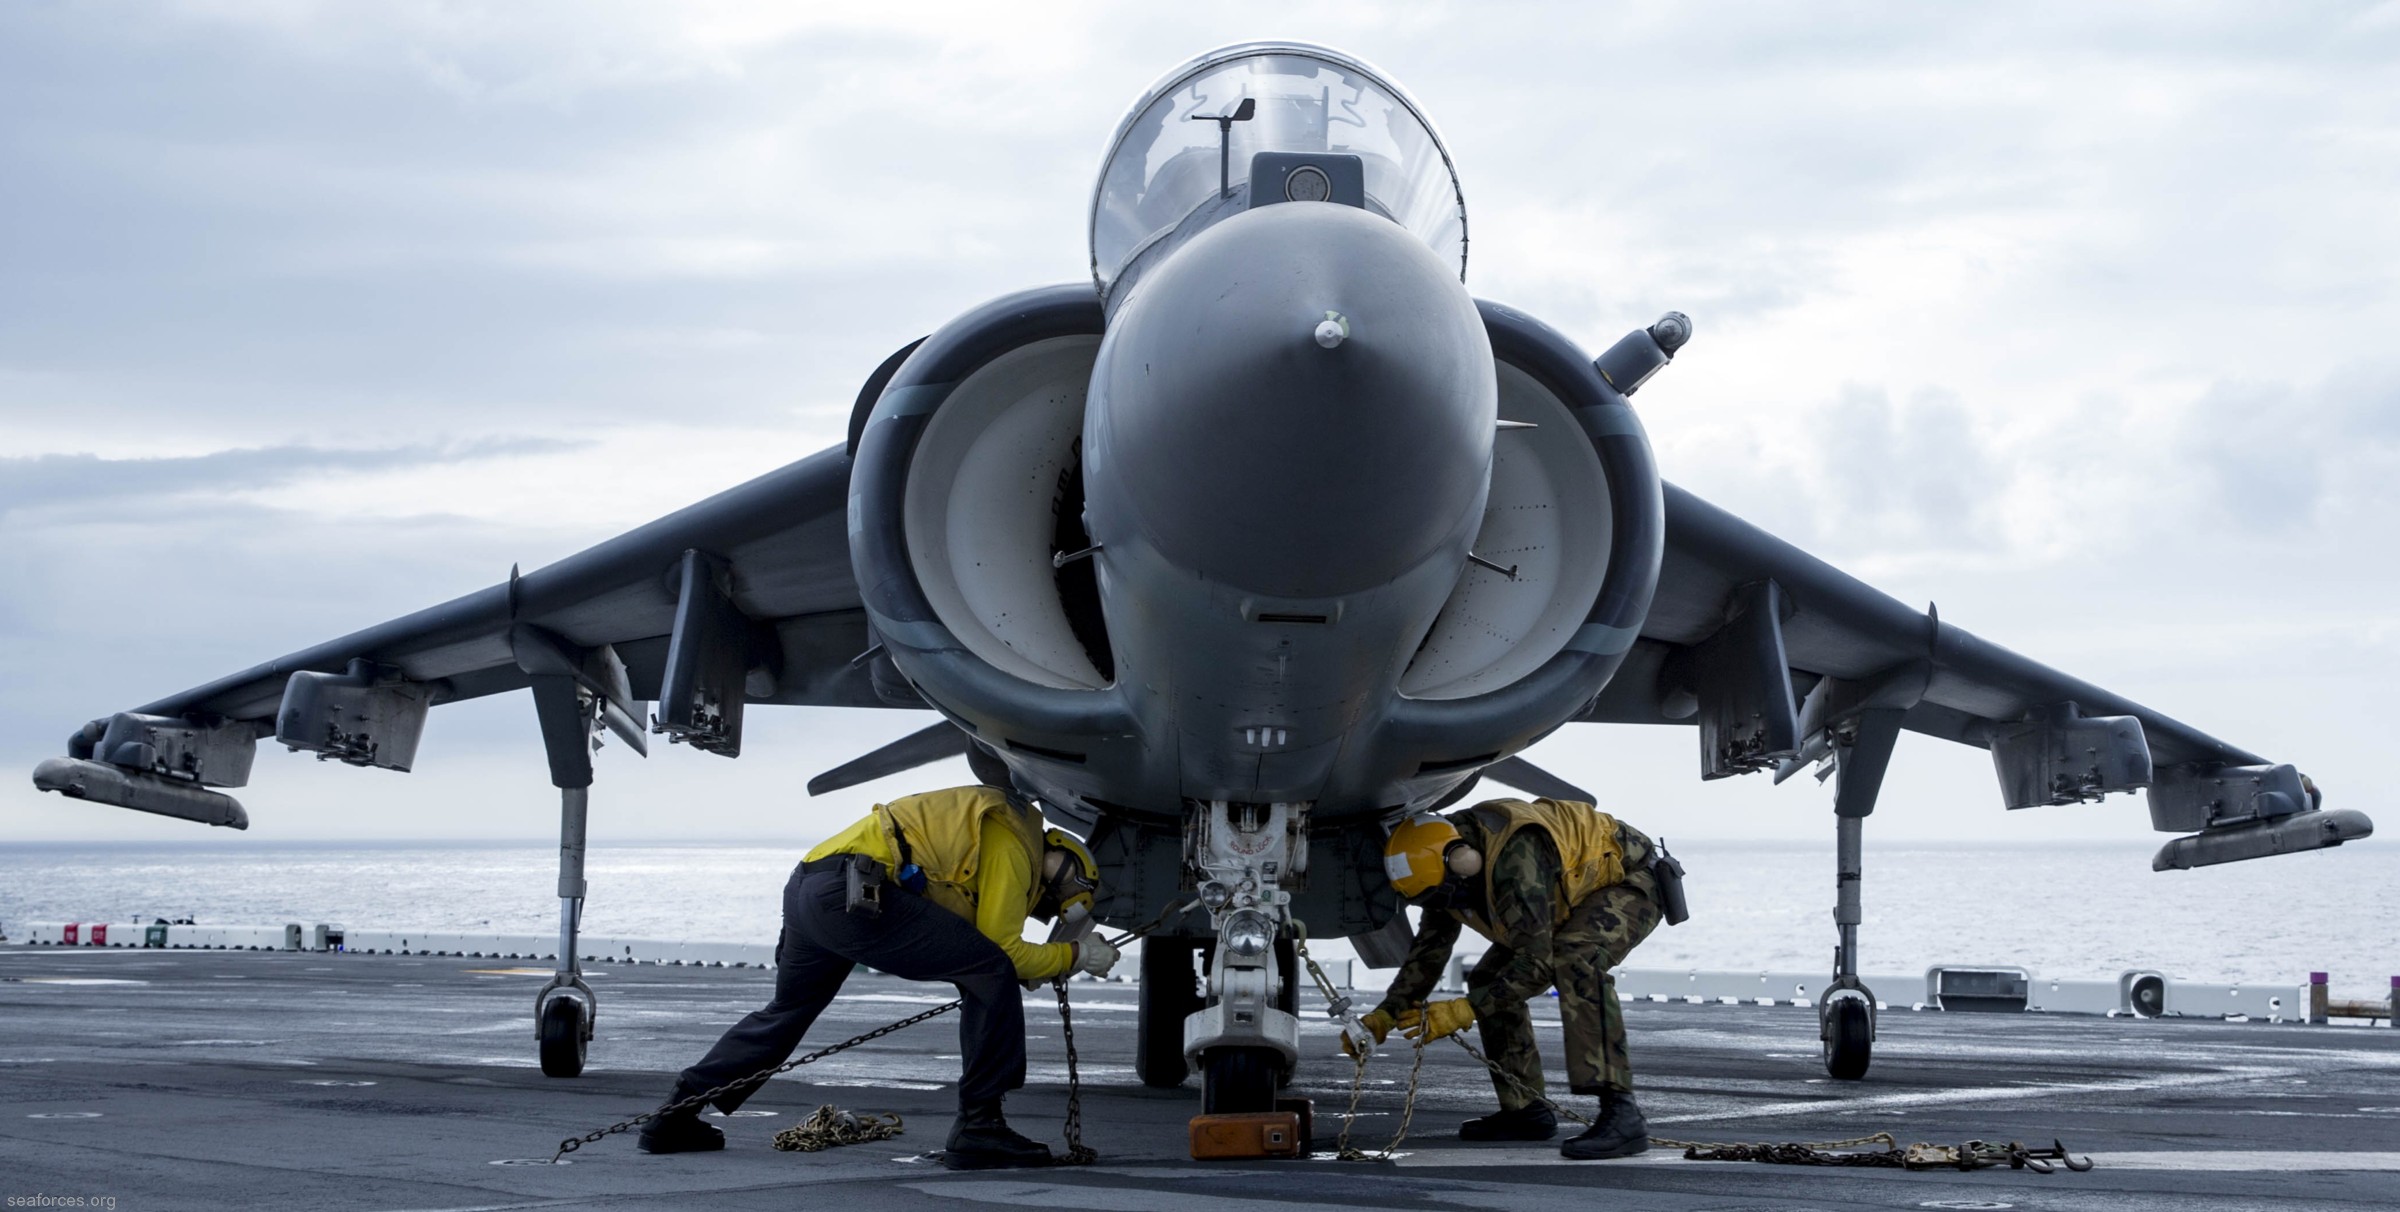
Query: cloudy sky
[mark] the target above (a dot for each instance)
(2079, 324)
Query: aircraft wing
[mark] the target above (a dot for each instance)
(747, 596)
(1781, 660)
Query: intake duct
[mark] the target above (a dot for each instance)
(1576, 523)
(966, 493)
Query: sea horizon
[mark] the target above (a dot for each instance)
(2080, 908)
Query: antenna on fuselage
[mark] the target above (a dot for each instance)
(1241, 113)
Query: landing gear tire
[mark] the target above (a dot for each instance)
(1287, 970)
(561, 1033)
(1169, 993)
(1287, 999)
(1237, 1081)
(1849, 1039)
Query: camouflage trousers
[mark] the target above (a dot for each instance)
(1595, 938)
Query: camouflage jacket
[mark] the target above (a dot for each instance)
(1525, 882)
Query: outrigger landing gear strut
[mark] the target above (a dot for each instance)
(565, 1010)
(1846, 1012)
(576, 692)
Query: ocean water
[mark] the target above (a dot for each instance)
(2082, 910)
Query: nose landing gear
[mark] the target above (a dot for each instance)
(1244, 1036)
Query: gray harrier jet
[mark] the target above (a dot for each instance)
(1266, 535)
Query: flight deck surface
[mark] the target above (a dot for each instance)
(159, 1079)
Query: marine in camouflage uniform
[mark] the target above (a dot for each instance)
(1530, 955)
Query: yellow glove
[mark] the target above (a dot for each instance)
(1375, 1023)
(1436, 1020)
(1378, 1022)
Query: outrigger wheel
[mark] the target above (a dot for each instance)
(560, 1027)
(1849, 1031)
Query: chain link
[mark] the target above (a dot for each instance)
(1885, 1139)
(752, 1082)
(1358, 1080)
(1973, 1155)
(831, 1127)
(1343, 1150)
(1337, 1007)
(1408, 1102)
(1512, 1079)
(1077, 1153)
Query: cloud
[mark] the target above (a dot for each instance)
(52, 481)
(2270, 460)
(2071, 318)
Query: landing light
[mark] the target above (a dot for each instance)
(1248, 934)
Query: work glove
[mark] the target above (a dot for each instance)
(1355, 1039)
(1363, 1032)
(1093, 956)
(1436, 1020)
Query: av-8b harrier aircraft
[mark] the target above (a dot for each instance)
(1267, 535)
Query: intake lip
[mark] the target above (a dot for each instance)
(1254, 453)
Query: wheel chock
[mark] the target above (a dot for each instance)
(1248, 1135)
(1306, 1109)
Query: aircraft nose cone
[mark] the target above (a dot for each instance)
(1300, 402)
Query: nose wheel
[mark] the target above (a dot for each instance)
(1237, 1081)
(1169, 993)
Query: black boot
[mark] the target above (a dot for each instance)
(680, 1132)
(981, 1140)
(1533, 1121)
(1620, 1132)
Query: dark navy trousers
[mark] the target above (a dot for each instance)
(912, 938)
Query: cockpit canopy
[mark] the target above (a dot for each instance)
(1161, 178)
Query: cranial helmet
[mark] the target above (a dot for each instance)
(1413, 855)
(1070, 877)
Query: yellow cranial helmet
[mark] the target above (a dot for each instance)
(1413, 854)
(1070, 873)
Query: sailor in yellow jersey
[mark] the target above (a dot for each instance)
(931, 887)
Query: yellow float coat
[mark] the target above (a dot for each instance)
(978, 851)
